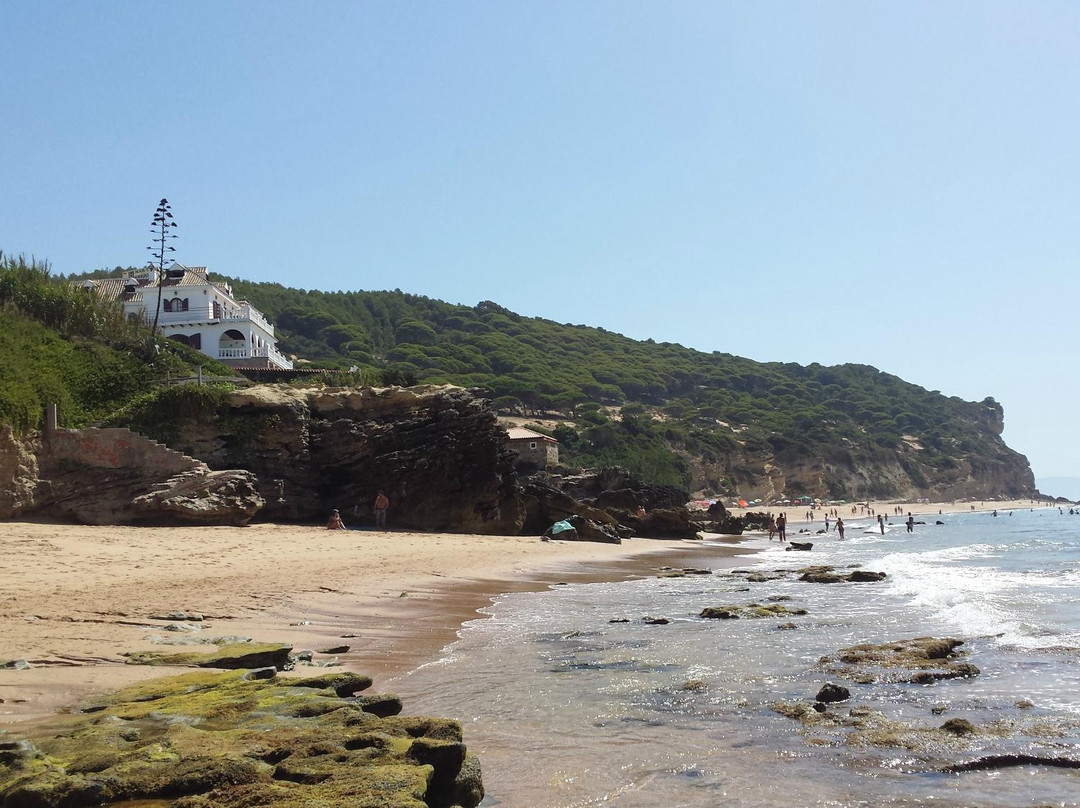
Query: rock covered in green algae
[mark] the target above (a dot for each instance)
(750, 611)
(230, 656)
(921, 660)
(220, 739)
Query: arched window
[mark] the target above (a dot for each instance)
(232, 345)
(184, 304)
(167, 305)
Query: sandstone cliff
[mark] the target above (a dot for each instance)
(116, 477)
(436, 451)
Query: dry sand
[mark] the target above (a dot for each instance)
(74, 599)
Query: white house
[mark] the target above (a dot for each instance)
(197, 312)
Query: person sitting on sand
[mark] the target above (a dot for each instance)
(335, 522)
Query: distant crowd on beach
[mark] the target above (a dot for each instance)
(777, 526)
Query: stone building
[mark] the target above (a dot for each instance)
(533, 449)
(198, 312)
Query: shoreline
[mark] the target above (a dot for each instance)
(797, 512)
(74, 599)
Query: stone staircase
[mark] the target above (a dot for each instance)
(115, 448)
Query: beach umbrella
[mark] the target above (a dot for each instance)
(743, 503)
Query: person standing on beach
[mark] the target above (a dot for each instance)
(840, 526)
(382, 504)
(781, 526)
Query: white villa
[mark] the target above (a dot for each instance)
(197, 312)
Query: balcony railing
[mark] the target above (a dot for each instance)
(256, 353)
(244, 314)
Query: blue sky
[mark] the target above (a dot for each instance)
(896, 184)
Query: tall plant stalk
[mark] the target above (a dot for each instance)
(161, 227)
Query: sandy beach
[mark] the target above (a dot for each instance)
(797, 513)
(75, 599)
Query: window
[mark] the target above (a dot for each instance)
(532, 444)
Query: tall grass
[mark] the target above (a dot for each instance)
(68, 309)
(60, 343)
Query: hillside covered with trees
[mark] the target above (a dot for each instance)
(716, 423)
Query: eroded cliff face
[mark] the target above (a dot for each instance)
(437, 451)
(980, 468)
(116, 477)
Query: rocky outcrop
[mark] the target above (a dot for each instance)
(437, 451)
(228, 656)
(721, 521)
(115, 476)
(825, 574)
(611, 497)
(753, 610)
(232, 740)
(211, 498)
(18, 473)
(921, 660)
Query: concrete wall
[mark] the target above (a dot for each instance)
(117, 448)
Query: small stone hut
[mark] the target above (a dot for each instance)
(534, 451)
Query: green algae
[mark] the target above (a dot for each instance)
(751, 611)
(921, 660)
(230, 656)
(224, 739)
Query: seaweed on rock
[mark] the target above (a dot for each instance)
(226, 739)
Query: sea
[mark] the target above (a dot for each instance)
(565, 708)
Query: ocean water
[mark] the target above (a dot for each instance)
(565, 708)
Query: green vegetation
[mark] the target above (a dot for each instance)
(59, 344)
(668, 413)
(706, 421)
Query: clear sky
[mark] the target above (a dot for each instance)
(896, 184)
